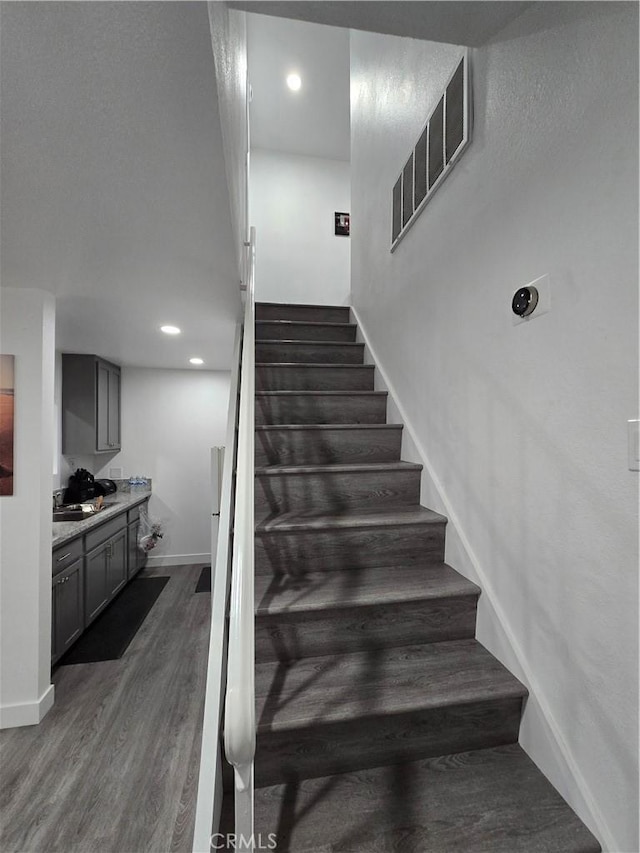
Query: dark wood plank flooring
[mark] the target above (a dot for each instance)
(485, 801)
(113, 767)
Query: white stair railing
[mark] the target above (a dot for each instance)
(232, 567)
(209, 802)
(240, 714)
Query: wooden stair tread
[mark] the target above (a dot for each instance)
(358, 588)
(295, 323)
(318, 691)
(321, 393)
(280, 341)
(484, 801)
(326, 426)
(319, 305)
(292, 522)
(336, 468)
(314, 365)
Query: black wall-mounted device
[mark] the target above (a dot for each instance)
(524, 301)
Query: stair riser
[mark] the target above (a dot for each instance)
(356, 629)
(318, 447)
(292, 409)
(354, 378)
(332, 493)
(302, 313)
(376, 740)
(302, 332)
(310, 353)
(351, 548)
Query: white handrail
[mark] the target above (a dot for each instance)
(209, 802)
(240, 714)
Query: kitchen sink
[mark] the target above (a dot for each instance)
(78, 512)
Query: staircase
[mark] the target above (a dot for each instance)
(383, 724)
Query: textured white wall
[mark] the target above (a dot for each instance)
(27, 331)
(524, 425)
(293, 199)
(229, 43)
(170, 420)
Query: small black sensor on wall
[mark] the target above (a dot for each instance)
(342, 224)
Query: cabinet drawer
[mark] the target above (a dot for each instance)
(66, 554)
(105, 531)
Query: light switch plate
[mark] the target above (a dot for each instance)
(633, 440)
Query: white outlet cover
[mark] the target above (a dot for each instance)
(543, 286)
(633, 444)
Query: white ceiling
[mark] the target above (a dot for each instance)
(114, 194)
(471, 23)
(315, 120)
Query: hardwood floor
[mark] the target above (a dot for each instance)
(113, 767)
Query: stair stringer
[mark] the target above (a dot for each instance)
(540, 735)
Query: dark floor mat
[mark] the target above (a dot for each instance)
(204, 581)
(111, 633)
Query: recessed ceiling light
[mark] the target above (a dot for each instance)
(196, 361)
(294, 82)
(170, 330)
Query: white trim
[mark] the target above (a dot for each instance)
(177, 559)
(27, 713)
(598, 823)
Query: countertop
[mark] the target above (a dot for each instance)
(65, 531)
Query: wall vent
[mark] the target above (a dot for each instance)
(444, 137)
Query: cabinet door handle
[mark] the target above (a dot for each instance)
(64, 557)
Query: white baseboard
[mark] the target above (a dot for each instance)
(27, 713)
(177, 559)
(588, 809)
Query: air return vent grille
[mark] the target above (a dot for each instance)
(443, 139)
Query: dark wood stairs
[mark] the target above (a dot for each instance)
(383, 724)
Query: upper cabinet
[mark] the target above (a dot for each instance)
(90, 405)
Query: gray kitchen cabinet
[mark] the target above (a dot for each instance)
(135, 554)
(95, 580)
(67, 608)
(105, 564)
(90, 405)
(117, 563)
(137, 558)
(89, 571)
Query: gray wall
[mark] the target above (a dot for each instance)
(229, 43)
(27, 331)
(293, 202)
(523, 426)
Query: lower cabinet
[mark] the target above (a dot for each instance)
(89, 571)
(135, 554)
(67, 601)
(105, 572)
(117, 563)
(95, 570)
